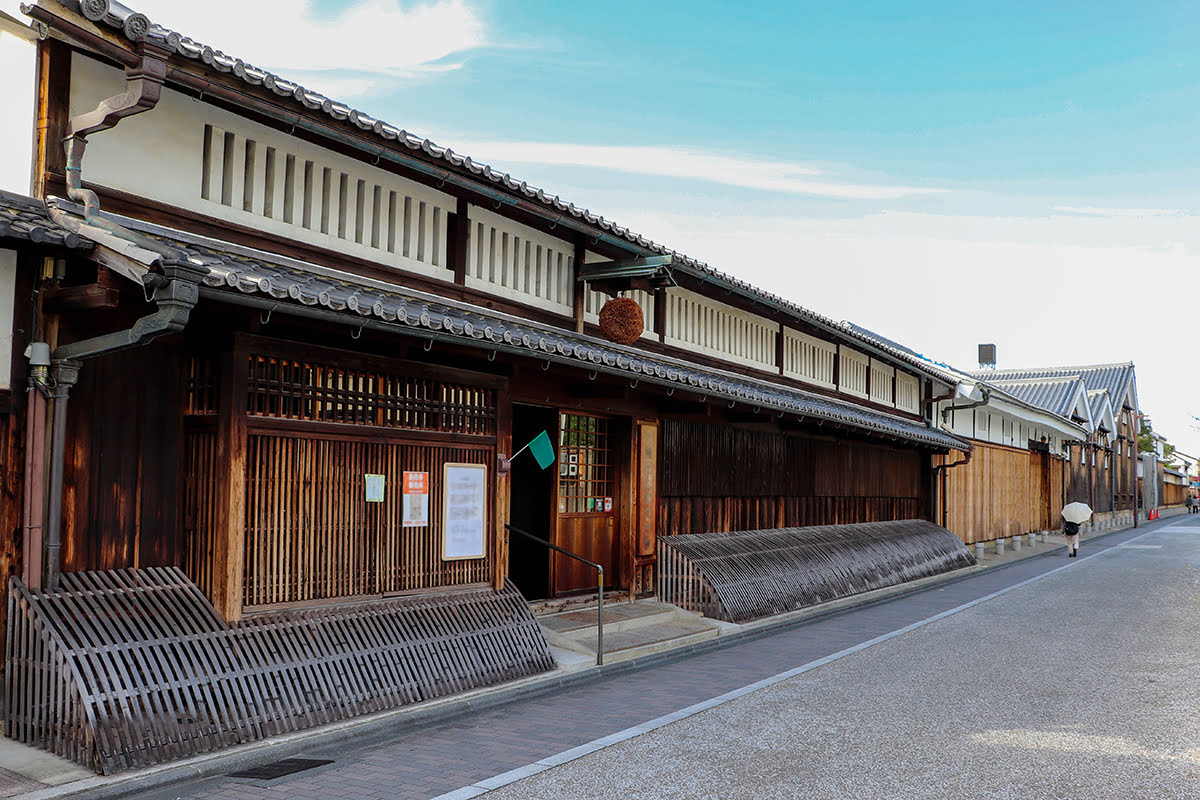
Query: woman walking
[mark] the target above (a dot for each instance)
(1071, 531)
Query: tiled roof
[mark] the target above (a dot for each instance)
(1113, 378)
(240, 271)
(135, 27)
(1056, 395)
(26, 218)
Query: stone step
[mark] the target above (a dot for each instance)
(631, 630)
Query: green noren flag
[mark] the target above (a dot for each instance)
(543, 451)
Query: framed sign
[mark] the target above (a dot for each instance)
(416, 500)
(464, 511)
(375, 484)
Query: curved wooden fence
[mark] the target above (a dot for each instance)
(742, 576)
(128, 668)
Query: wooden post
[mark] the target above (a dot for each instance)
(229, 540)
(577, 291)
(780, 339)
(660, 313)
(457, 233)
(503, 489)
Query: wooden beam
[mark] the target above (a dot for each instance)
(577, 296)
(229, 541)
(53, 98)
(457, 233)
(80, 298)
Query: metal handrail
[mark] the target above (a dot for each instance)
(599, 585)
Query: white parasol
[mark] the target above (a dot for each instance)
(1076, 512)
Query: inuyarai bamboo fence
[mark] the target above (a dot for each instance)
(129, 668)
(742, 576)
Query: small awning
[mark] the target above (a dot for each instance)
(647, 273)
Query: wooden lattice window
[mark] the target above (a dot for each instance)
(300, 389)
(585, 466)
(200, 385)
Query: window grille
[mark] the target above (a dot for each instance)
(585, 468)
(287, 388)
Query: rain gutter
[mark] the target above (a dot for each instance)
(174, 289)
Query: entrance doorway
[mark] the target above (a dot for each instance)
(586, 502)
(532, 492)
(573, 504)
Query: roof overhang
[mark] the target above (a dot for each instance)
(255, 278)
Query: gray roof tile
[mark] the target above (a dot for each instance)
(1054, 395)
(25, 218)
(244, 271)
(1113, 378)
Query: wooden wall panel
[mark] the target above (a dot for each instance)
(1002, 492)
(721, 478)
(121, 482)
(311, 535)
(1173, 494)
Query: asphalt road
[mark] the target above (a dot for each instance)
(1046, 678)
(1081, 683)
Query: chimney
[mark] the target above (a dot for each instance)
(987, 356)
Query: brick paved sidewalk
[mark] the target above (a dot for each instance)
(429, 760)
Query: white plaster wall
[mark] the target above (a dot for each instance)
(8, 288)
(159, 155)
(18, 94)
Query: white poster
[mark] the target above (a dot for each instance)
(464, 511)
(416, 499)
(375, 485)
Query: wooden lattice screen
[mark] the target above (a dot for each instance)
(316, 423)
(745, 575)
(129, 668)
(305, 541)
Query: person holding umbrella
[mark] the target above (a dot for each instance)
(1074, 514)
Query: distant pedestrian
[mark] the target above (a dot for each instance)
(1189, 503)
(1071, 531)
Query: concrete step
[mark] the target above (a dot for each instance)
(631, 629)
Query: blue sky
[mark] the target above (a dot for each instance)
(943, 173)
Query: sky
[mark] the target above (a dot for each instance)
(944, 174)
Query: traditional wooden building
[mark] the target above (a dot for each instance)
(1102, 467)
(294, 349)
(1016, 478)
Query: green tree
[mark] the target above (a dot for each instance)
(1146, 436)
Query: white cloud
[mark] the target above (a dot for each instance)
(677, 162)
(369, 42)
(1097, 211)
(1059, 290)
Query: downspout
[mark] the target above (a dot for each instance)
(174, 302)
(944, 468)
(176, 289)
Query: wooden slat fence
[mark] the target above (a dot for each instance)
(1003, 491)
(309, 536)
(129, 668)
(770, 479)
(746, 575)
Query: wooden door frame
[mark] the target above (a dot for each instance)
(619, 437)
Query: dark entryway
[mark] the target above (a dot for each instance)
(532, 493)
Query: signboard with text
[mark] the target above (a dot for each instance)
(464, 511)
(416, 499)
